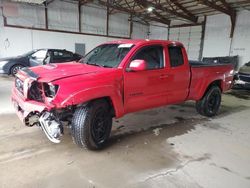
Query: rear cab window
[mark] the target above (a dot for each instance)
(175, 56)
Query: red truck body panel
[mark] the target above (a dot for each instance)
(128, 91)
(202, 77)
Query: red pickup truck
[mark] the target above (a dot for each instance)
(112, 80)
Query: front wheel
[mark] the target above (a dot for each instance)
(15, 69)
(91, 125)
(210, 103)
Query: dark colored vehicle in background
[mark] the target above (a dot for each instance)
(36, 57)
(242, 78)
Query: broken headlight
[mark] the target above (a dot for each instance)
(50, 90)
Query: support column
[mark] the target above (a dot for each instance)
(79, 17)
(107, 19)
(46, 15)
(131, 26)
(202, 37)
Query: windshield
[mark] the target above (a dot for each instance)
(28, 53)
(107, 55)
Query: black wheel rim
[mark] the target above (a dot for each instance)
(16, 69)
(99, 126)
(213, 102)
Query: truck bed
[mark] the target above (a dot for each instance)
(194, 63)
(203, 73)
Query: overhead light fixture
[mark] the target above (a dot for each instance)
(30, 1)
(150, 9)
(199, 3)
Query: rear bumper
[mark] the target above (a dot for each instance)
(2, 71)
(25, 108)
(241, 84)
(242, 81)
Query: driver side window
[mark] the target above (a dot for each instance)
(153, 55)
(39, 55)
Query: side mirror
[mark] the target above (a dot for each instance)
(137, 65)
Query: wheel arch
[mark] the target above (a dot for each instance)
(202, 105)
(109, 101)
(87, 96)
(214, 83)
(15, 64)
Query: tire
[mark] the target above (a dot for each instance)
(14, 69)
(91, 125)
(210, 103)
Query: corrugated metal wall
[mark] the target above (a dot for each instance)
(190, 37)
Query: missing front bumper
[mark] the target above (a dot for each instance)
(52, 127)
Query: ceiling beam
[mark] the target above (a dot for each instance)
(164, 19)
(177, 4)
(226, 5)
(185, 25)
(215, 6)
(133, 12)
(161, 17)
(83, 2)
(47, 2)
(226, 9)
(159, 6)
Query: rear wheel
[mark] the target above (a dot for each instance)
(91, 125)
(15, 69)
(210, 103)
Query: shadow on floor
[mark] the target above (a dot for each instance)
(239, 93)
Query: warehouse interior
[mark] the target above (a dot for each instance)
(169, 146)
(202, 27)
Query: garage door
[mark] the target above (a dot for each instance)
(190, 37)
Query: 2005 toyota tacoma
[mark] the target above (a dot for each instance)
(114, 79)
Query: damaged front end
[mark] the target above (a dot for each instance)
(33, 103)
(49, 122)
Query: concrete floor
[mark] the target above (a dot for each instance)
(166, 147)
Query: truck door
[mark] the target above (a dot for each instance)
(178, 71)
(147, 88)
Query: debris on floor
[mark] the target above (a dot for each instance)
(156, 131)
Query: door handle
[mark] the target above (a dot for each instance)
(163, 76)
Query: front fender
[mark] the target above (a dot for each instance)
(89, 94)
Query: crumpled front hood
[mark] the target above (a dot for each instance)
(52, 72)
